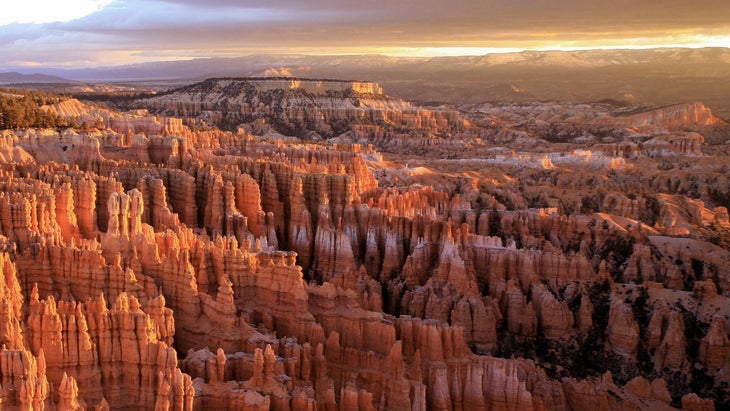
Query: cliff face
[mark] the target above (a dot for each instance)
(676, 117)
(211, 270)
(616, 131)
(309, 86)
(314, 109)
(136, 122)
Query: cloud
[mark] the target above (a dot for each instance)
(40, 11)
(225, 27)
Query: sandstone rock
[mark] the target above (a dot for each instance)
(68, 394)
(584, 318)
(11, 335)
(623, 331)
(332, 250)
(659, 391)
(715, 346)
(521, 317)
(640, 387)
(695, 403)
(583, 395)
(307, 276)
(655, 328)
(671, 353)
(555, 318)
(27, 373)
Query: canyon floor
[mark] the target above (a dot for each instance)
(296, 244)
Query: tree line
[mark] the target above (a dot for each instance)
(22, 109)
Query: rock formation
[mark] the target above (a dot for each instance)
(148, 265)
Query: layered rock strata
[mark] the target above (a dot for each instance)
(211, 270)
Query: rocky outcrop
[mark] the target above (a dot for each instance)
(695, 403)
(24, 381)
(555, 318)
(315, 108)
(584, 319)
(521, 316)
(136, 122)
(671, 353)
(623, 330)
(715, 346)
(676, 116)
(152, 267)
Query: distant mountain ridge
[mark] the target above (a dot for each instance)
(254, 65)
(655, 77)
(20, 78)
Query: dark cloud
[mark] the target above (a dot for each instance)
(191, 27)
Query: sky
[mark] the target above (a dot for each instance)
(93, 33)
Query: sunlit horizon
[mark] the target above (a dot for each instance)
(689, 41)
(124, 59)
(108, 33)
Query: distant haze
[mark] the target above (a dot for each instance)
(106, 33)
(647, 77)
